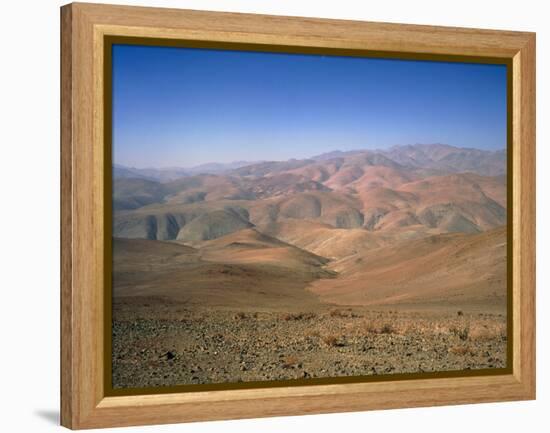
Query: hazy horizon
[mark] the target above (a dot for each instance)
(152, 167)
(181, 107)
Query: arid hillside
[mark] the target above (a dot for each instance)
(343, 264)
(240, 270)
(449, 271)
(408, 225)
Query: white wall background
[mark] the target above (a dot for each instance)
(29, 216)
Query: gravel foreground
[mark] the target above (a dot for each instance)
(178, 346)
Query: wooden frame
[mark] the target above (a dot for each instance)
(83, 400)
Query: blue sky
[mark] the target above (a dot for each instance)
(184, 107)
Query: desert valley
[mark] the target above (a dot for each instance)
(349, 263)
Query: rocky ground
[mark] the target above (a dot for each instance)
(179, 345)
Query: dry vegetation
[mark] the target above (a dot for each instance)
(288, 269)
(200, 345)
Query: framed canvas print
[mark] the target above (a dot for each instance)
(271, 216)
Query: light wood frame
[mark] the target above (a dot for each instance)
(83, 400)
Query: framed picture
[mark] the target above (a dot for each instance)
(269, 216)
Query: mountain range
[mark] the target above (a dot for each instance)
(435, 156)
(419, 204)
(168, 174)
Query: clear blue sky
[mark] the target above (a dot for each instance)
(184, 107)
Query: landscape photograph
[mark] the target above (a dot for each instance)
(280, 217)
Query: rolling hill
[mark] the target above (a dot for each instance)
(408, 225)
(241, 269)
(452, 203)
(442, 270)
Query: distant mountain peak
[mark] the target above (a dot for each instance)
(337, 154)
(438, 157)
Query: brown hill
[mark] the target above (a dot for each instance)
(451, 203)
(271, 167)
(251, 246)
(380, 176)
(459, 197)
(334, 243)
(133, 193)
(449, 159)
(454, 203)
(212, 225)
(245, 270)
(318, 171)
(338, 170)
(192, 222)
(281, 185)
(205, 187)
(364, 189)
(324, 239)
(338, 210)
(448, 270)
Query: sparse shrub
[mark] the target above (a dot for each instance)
(337, 313)
(479, 332)
(459, 350)
(299, 316)
(487, 331)
(461, 332)
(440, 328)
(375, 327)
(464, 333)
(290, 361)
(387, 329)
(330, 340)
(169, 355)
